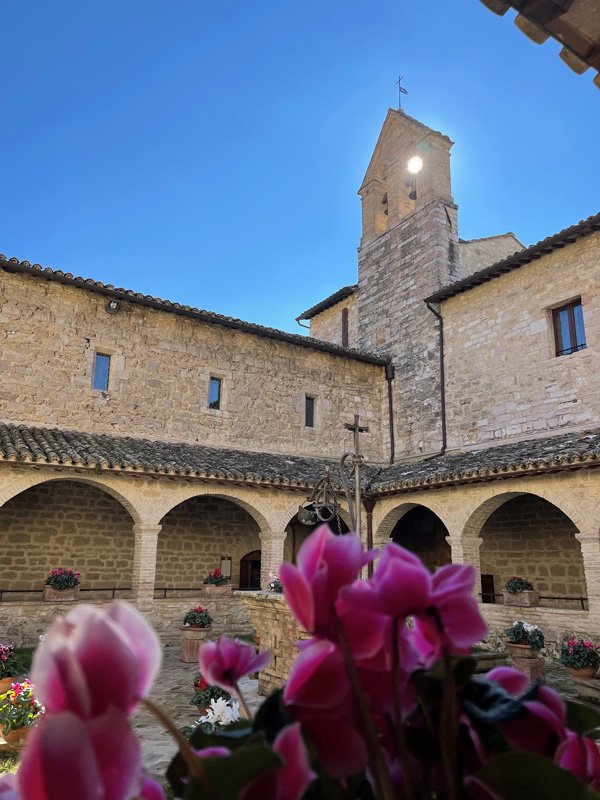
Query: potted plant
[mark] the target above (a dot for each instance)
(19, 710)
(204, 693)
(274, 584)
(62, 585)
(196, 626)
(197, 618)
(580, 657)
(523, 640)
(215, 584)
(520, 592)
(8, 666)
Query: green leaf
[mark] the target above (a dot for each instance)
(516, 775)
(271, 717)
(582, 719)
(228, 776)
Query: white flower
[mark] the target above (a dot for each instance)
(222, 712)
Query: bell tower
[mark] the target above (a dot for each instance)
(408, 250)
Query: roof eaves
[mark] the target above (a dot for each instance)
(567, 236)
(328, 302)
(210, 317)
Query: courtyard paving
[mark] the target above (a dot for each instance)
(172, 691)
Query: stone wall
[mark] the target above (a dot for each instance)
(477, 254)
(66, 524)
(277, 631)
(528, 536)
(196, 534)
(396, 271)
(327, 325)
(161, 364)
(503, 378)
(22, 623)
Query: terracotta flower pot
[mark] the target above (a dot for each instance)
(61, 595)
(191, 639)
(202, 710)
(583, 673)
(210, 590)
(5, 683)
(521, 650)
(524, 599)
(16, 739)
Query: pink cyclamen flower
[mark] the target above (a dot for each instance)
(92, 659)
(453, 616)
(151, 790)
(326, 563)
(580, 756)
(290, 781)
(224, 662)
(93, 759)
(8, 787)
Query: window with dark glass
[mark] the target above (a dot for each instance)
(214, 393)
(309, 412)
(569, 331)
(101, 372)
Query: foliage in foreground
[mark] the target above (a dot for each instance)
(374, 709)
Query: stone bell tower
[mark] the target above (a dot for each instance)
(409, 249)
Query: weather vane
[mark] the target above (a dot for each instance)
(401, 90)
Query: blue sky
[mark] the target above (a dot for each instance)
(210, 153)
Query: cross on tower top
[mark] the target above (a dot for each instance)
(401, 90)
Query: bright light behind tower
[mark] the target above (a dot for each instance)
(415, 164)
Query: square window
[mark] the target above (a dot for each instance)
(214, 393)
(101, 372)
(309, 412)
(569, 331)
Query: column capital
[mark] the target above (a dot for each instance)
(272, 536)
(588, 536)
(146, 528)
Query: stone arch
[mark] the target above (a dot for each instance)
(199, 530)
(528, 534)
(386, 525)
(500, 494)
(69, 522)
(247, 499)
(25, 482)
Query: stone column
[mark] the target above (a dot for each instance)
(590, 550)
(271, 554)
(465, 550)
(144, 563)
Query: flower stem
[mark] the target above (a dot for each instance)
(381, 776)
(194, 764)
(399, 725)
(245, 710)
(449, 728)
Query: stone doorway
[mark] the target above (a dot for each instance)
(250, 570)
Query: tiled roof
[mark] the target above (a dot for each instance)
(22, 444)
(521, 257)
(107, 290)
(573, 23)
(26, 445)
(553, 453)
(336, 297)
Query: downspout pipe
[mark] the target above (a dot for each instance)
(436, 313)
(390, 374)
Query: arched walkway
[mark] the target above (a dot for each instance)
(423, 532)
(196, 534)
(66, 523)
(526, 535)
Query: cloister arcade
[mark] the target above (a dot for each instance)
(140, 535)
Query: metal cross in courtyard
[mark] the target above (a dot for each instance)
(401, 90)
(357, 459)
